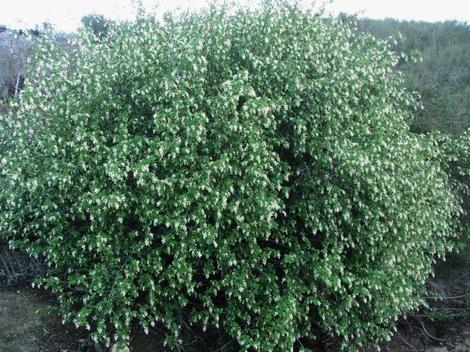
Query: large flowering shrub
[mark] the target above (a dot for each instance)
(250, 170)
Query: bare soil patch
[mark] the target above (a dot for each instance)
(28, 323)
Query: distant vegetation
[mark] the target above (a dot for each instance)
(443, 77)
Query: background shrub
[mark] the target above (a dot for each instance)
(250, 170)
(13, 51)
(442, 78)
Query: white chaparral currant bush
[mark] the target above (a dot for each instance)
(250, 170)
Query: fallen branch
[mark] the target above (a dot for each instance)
(428, 334)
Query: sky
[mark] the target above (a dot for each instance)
(65, 15)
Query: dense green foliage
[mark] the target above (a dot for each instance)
(247, 170)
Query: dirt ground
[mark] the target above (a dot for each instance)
(459, 346)
(451, 343)
(28, 324)
(18, 317)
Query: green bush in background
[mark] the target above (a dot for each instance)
(443, 76)
(249, 170)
